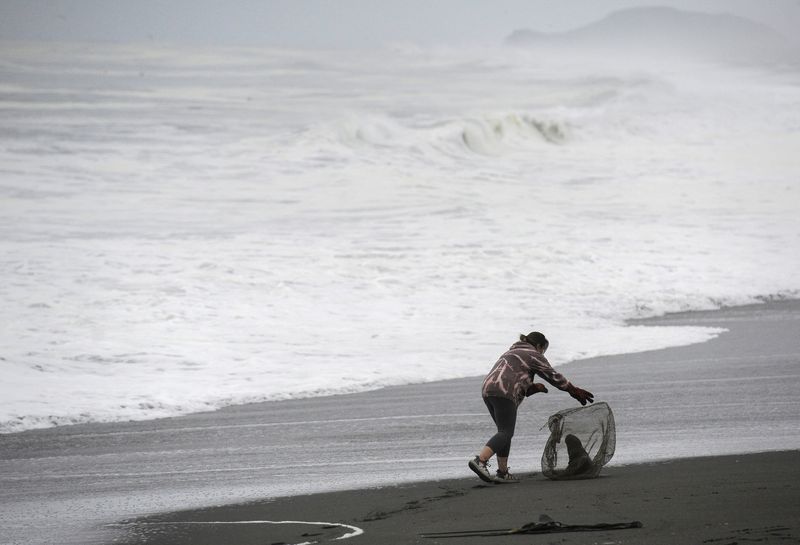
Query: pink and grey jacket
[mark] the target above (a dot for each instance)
(513, 373)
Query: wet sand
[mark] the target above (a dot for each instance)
(723, 500)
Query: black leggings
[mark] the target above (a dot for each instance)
(504, 414)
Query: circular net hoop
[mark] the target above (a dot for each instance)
(581, 442)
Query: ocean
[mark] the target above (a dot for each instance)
(183, 229)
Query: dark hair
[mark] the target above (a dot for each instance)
(535, 338)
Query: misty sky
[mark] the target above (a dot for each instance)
(335, 23)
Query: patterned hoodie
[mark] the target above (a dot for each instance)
(513, 373)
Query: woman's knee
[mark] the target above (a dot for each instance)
(505, 437)
(506, 432)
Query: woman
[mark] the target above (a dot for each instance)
(507, 384)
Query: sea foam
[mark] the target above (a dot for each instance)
(183, 230)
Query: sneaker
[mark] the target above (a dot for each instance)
(505, 477)
(481, 469)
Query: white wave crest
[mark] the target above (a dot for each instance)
(493, 135)
(484, 135)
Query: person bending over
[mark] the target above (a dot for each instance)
(508, 383)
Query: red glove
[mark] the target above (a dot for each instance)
(535, 388)
(581, 395)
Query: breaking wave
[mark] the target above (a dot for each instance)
(486, 135)
(492, 135)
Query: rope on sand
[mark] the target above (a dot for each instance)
(544, 527)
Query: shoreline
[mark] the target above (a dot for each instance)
(732, 394)
(55, 421)
(671, 318)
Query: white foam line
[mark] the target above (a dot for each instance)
(694, 380)
(283, 423)
(354, 530)
(767, 403)
(39, 477)
(713, 359)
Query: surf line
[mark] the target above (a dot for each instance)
(354, 530)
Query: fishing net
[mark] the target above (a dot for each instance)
(581, 442)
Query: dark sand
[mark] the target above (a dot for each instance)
(734, 394)
(719, 500)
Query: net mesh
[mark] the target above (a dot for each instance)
(581, 442)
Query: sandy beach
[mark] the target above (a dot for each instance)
(727, 499)
(349, 459)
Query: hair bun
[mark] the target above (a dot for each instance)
(535, 338)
